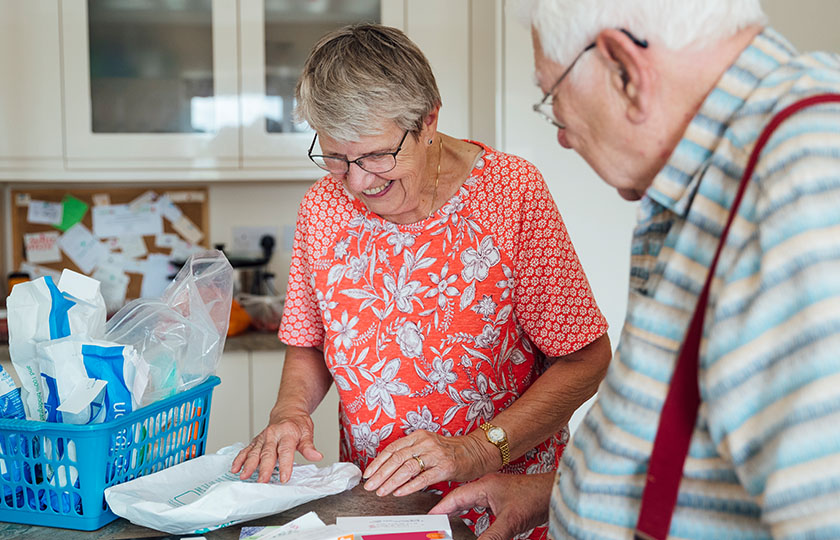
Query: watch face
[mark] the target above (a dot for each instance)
(496, 435)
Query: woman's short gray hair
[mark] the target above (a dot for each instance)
(359, 77)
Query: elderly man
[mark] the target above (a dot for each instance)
(666, 100)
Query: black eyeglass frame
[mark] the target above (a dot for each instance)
(544, 102)
(359, 160)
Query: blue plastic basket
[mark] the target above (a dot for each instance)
(55, 475)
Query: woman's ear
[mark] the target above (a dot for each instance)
(632, 74)
(430, 124)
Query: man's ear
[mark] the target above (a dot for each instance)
(632, 77)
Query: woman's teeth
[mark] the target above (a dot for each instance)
(375, 190)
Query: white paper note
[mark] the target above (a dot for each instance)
(135, 266)
(35, 271)
(114, 262)
(42, 247)
(125, 220)
(168, 209)
(145, 198)
(45, 213)
(132, 246)
(185, 196)
(383, 524)
(82, 248)
(166, 240)
(113, 285)
(156, 275)
(182, 250)
(187, 229)
(101, 199)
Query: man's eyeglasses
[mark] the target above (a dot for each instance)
(373, 163)
(545, 107)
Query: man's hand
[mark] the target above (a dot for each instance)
(519, 502)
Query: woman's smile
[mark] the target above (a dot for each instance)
(378, 191)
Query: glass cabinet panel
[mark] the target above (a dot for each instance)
(151, 66)
(292, 27)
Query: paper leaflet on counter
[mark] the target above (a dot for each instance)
(411, 527)
(310, 520)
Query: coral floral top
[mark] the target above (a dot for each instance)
(440, 324)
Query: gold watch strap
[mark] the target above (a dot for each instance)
(505, 450)
(502, 445)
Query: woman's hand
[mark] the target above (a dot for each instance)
(519, 502)
(423, 458)
(276, 444)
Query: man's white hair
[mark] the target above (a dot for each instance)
(565, 27)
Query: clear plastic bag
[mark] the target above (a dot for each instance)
(182, 334)
(265, 311)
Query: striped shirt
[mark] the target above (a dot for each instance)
(764, 460)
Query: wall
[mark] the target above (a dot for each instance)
(809, 24)
(599, 221)
(272, 204)
(4, 243)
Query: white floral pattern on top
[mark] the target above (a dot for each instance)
(441, 324)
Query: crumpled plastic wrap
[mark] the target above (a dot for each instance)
(202, 494)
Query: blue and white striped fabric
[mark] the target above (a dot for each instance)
(764, 460)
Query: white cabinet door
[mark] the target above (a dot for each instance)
(151, 84)
(270, 69)
(267, 368)
(230, 412)
(30, 100)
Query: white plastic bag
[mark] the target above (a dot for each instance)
(201, 494)
(181, 335)
(40, 311)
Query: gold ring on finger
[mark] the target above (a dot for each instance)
(419, 462)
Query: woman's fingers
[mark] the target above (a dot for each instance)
(410, 472)
(276, 446)
(388, 452)
(252, 456)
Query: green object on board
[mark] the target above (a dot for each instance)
(74, 211)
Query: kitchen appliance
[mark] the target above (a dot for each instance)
(250, 270)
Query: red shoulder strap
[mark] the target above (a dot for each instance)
(679, 413)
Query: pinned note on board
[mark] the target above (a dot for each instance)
(111, 232)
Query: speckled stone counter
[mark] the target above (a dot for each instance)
(249, 341)
(356, 502)
(254, 341)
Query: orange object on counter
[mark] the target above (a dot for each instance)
(239, 320)
(17, 277)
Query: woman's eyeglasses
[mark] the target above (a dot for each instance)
(378, 163)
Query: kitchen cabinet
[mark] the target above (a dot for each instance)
(30, 99)
(267, 368)
(151, 84)
(230, 411)
(243, 400)
(276, 37)
(109, 90)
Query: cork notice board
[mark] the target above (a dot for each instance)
(125, 247)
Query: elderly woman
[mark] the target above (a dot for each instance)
(433, 281)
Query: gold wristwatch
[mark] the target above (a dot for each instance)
(498, 438)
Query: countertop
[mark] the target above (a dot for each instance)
(356, 502)
(249, 341)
